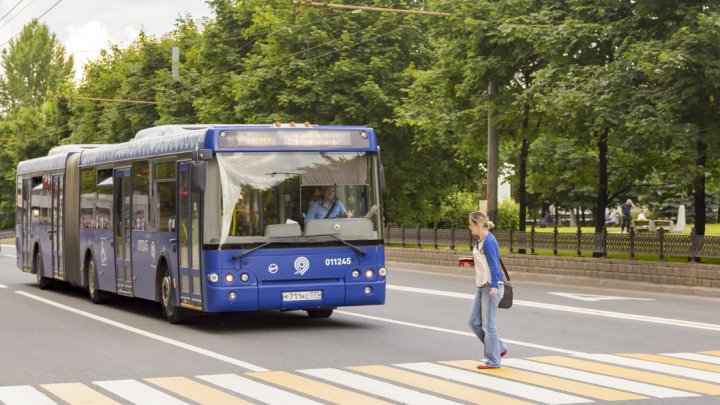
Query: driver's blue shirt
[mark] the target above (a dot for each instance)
(318, 211)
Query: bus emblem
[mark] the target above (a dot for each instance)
(273, 268)
(302, 264)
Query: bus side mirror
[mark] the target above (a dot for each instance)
(197, 177)
(382, 179)
(202, 154)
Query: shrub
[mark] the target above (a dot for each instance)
(508, 216)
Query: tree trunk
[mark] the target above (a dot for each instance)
(699, 193)
(522, 193)
(602, 193)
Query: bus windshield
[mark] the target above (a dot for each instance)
(298, 194)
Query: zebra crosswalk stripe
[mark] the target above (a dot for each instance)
(195, 391)
(76, 393)
(695, 356)
(675, 361)
(630, 374)
(485, 381)
(376, 387)
(23, 395)
(138, 393)
(255, 390)
(652, 366)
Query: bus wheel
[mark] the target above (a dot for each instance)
(43, 282)
(96, 296)
(167, 299)
(320, 313)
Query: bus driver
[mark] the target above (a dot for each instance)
(327, 207)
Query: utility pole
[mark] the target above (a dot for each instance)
(175, 63)
(492, 158)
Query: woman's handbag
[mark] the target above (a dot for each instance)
(507, 299)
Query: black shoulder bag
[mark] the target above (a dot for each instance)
(507, 299)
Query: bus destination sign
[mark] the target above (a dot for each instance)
(308, 138)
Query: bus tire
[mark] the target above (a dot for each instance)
(43, 282)
(96, 295)
(172, 313)
(320, 312)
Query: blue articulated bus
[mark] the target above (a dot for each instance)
(209, 218)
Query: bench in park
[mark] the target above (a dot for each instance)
(641, 225)
(664, 224)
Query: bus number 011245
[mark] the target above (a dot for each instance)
(337, 261)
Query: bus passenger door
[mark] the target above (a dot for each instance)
(56, 227)
(189, 237)
(27, 185)
(123, 268)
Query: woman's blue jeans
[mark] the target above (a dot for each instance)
(482, 322)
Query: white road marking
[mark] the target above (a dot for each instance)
(456, 332)
(3, 286)
(138, 393)
(494, 383)
(13, 256)
(22, 395)
(696, 357)
(258, 391)
(653, 366)
(597, 379)
(160, 338)
(375, 387)
(596, 298)
(577, 310)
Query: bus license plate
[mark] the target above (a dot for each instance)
(301, 296)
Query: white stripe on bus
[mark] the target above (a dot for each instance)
(255, 390)
(173, 342)
(479, 379)
(23, 395)
(138, 393)
(597, 379)
(653, 366)
(376, 387)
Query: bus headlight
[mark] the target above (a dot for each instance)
(213, 277)
(369, 273)
(382, 271)
(229, 278)
(355, 274)
(368, 290)
(244, 277)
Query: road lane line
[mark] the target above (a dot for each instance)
(76, 393)
(3, 286)
(253, 389)
(552, 382)
(631, 374)
(138, 393)
(456, 332)
(376, 387)
(196, 392)
(23, 395)
(438, 386)
(481, 379)
(592, 378)
(657, 367)
(160, 338)
(577, 310)
(674, 361)
(694, 356)
(317, 389)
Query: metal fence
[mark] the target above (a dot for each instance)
(660, 243)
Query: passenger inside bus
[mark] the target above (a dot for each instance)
(327, 206)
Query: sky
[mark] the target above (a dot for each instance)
(87, 26)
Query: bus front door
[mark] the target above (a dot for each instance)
(189, 237)
(27, 185)
(56, 228)
(123, 267)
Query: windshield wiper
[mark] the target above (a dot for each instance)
(348, 244)
(247, 252)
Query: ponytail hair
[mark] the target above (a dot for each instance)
(480, 218)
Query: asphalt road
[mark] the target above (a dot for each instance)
(59, 337)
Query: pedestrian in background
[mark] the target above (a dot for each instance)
(490, 288)
(625, 208)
